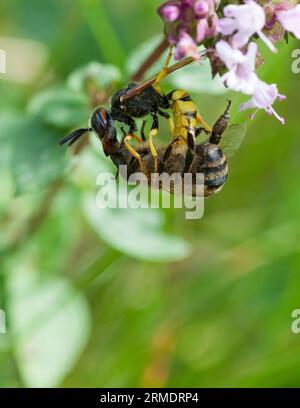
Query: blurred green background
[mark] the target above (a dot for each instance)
(128, 298)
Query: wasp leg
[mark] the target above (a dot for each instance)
(203, 123)
(171, 125)
(153, 132)
(124, 133)
(132, 127)
(143, 130)
(166, 115)
(131, 149)
(190, 152)
(164, 72)
(125, 119)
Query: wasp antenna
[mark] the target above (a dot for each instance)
(74, 136)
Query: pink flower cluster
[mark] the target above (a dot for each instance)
(188, 23)
(228, 37)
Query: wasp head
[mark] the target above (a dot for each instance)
(103, 125)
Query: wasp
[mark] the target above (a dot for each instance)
(152, 100)
(209, 157)
(186, 118)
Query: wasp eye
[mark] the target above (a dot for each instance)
(100, 121)
(103, 115)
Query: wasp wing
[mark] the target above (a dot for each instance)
(233, 138)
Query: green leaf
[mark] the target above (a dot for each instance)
(50, 323)
(61, 107)
(31, 152)
(135, 232)
(100, 75)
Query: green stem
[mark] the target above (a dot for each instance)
(109, 43)
(107, 260)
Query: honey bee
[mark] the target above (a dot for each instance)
(208, 157)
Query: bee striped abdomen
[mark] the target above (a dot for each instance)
(216, 171)
(211, 161)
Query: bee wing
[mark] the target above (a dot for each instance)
(233, 138)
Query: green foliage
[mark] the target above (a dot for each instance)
(30, 151)
(50, 325)
(60, 107)
(146, 241)
(99, 75)
(139, 297)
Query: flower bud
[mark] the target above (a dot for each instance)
(202, 28)
(201, 8)
(169, 11)
(186, 46)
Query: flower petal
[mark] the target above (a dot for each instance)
(265, 95)
(227, 26)
(247, 105)
(290, 19)
(228, 55)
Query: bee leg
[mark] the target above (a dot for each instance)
(131, 149)
(203, 123)
(153, 132)
(190, 153)
(199, 130)
(166, 155)
(164, 72)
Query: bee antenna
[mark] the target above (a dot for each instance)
(74, 136)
